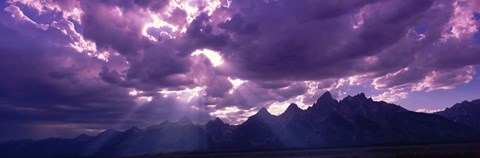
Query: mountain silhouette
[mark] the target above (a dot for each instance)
(352, 121)
(466, 112)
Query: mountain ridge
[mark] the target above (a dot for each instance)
(352, 121)
(466, 112)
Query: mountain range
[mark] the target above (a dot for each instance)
(352, 121)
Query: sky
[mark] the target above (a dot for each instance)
(69, 67)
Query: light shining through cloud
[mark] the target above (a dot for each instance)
(133, 93)
(214, 57)
(233, 114)
(187, 94)
(236, 83)
(166, 29)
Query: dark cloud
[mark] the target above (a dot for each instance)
(293, 42)
(238, 26)
(200, 34)
(420, 80)
(111, 27)
(218, 87)
(155, 5)
(159, 66)
(273, 84)
(151, 65)
(110, 76)
(290, 47)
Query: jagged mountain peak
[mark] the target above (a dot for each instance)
(109, 131)
(185, 121)
(360, 96)
(293, 107)
(348, 97)
(133, 129)
(464, 105)
(83, 137)
(218, 120)
(325, 101)
(327, 96)
(263, 112)
(291, 111)
(106, 134)
(162, 124)
(215, 121)
(466, 112)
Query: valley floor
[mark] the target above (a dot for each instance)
(468, 150)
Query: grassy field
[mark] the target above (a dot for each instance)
(469, 150)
